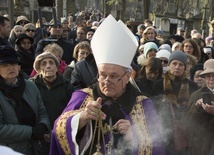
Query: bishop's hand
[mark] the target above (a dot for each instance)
(92, 111)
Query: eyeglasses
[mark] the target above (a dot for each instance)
(164, 61)
(209, 76)
(23, 22)
(28, 30)
(186, 46)
(111, 80)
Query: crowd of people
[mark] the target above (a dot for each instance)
(86, 84)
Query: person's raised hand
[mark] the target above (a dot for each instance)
(92, 111)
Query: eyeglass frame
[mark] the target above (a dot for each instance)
(30, 30)
(164, 61)
(110, 80)
(209, 75)
(23, 22)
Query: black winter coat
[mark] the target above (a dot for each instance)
(85, 71)
(56, 98)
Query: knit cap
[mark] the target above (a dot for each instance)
(178, 55)
(163, 54)
(166, 47)
(148, 46)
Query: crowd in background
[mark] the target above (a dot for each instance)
(57, 57)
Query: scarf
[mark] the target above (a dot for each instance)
(13, 91)
(182, 97)
(24, 112)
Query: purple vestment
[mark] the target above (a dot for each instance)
(143, 117)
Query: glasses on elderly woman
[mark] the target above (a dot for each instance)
(209, 75)
(111, 79)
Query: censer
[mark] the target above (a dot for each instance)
(102, 130)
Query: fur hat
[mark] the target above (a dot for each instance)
(8, 55)
(148, 46)
(178, 55)
(42, 56)
(208, 67)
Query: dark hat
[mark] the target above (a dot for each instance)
(141, 26)
(91, 30)
(195, 68)
(8, 55)
(22, 36)
(178, 55)
(58, 22)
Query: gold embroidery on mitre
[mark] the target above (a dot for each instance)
(61, 125)
(139, 121)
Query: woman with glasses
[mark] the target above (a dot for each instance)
(189, 46)
(199, 117)
(163, 55)
(26, 52)
(30, 29)
(21, 20)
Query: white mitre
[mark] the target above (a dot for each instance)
(113, 43)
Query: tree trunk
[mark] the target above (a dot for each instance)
(123, 10)
(146, 9)
(59, 8)
(71, 6)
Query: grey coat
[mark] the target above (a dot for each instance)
(12, 134)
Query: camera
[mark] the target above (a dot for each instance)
(206, 96)
(47, 41)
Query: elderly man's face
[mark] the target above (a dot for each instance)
(48, 68)
(209, 80)
(176, 67)
(113, 79)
